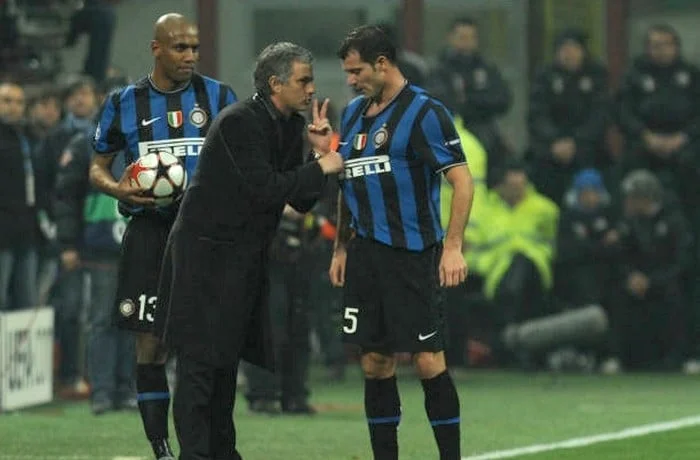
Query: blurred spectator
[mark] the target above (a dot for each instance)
(44, 114)
(586, 243)
(18, 252)
(659, 113)
(649, 318)
(90, 231)
(98, 20)
(80, 101)
(464, 315)
(289, 313)
(412, 65)
(568, 116)
(44, 111)
(513, 247)
(473, 89)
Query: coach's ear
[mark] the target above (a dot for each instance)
(275, 84)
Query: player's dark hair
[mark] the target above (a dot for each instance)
(464, 21)
(277, 60)
(370, 42)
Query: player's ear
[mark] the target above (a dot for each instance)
(155, 48)
(381, 63)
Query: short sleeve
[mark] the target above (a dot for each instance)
(435, 139)
(108, 136)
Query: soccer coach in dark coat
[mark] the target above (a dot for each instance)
(212, 300)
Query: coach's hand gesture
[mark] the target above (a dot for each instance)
(453, 268)
(320, 131)
(132, 193)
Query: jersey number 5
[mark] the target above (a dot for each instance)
(351, 315)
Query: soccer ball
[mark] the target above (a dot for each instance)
(161, 175)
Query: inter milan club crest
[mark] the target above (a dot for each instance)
(127, 307)
(175, 119)
(359, 142)
(380, 137)
(198, 117)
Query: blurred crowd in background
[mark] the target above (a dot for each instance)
(568, 222)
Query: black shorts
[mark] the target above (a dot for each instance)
(393, 299)
(139, 270)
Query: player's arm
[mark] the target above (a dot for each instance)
(460, 179)
(344, 234)
(436, 140)
(109, 140)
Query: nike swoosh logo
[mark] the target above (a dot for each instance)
(423, 338)
(342, 143)
(149, 122)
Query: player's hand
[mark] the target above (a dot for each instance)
(70, 259)
(453, 267)
(319, 130)
(337, 270)
(131, 193)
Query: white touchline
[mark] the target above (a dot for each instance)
(633, 432)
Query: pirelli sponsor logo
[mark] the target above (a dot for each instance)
(367, 166)
(185, 147)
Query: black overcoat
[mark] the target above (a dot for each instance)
(212, 297)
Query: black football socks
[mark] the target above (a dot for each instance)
(442, 407)
(383, 410)
(154, 403)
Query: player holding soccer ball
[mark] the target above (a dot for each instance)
(168, 111)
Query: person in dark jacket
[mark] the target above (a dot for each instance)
(214, 283)
(18, 204)
(649, 318)
(89, 233)
(586, 243)
(568, 116)
(659, 114)
(472, 88)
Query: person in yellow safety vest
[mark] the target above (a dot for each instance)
(477, 159)
(513, 244)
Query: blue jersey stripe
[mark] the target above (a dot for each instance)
(128, 118)
(408, 201)
(159, 108)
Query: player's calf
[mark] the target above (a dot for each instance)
(153, 393)
(441, 402)
(382, 404)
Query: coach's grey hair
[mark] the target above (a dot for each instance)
(277, 60)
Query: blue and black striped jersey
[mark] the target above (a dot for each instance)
(393, 161)
(139, 119)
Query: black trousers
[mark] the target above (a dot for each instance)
(203, 410)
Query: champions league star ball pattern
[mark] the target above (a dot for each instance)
(161, 175)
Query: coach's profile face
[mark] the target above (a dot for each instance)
(178, 52)
(297, 92)
(364, 77)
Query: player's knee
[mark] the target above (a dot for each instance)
(378, 366)
(429, 364)
(150, 350)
